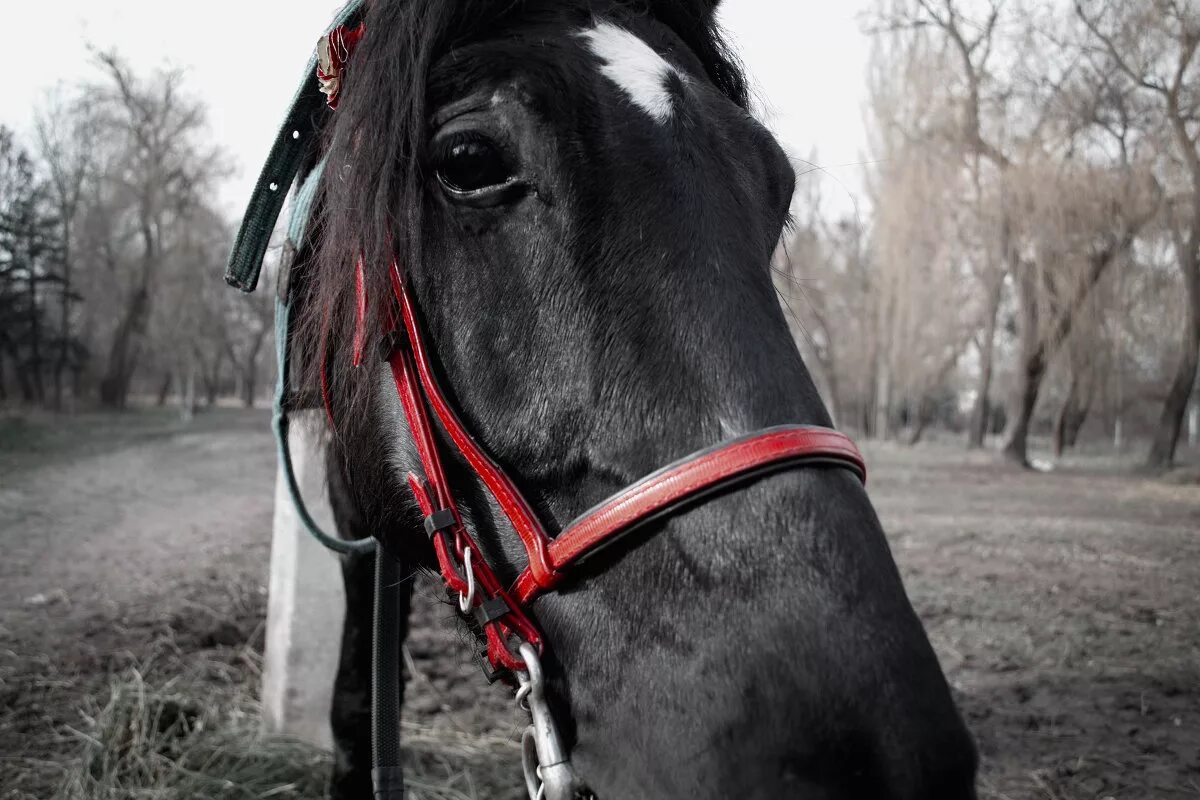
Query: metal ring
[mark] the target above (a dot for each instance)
(467, 601)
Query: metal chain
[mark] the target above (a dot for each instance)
(548, 771)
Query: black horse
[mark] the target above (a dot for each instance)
(586, 212)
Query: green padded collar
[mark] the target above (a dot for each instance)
(291, 144)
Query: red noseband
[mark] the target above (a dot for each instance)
(500, 612)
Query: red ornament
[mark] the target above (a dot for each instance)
(333, 54)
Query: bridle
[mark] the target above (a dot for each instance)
(515, 645)
(514, 642)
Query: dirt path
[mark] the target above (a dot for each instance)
(165, 505)
(119, 533)
(1065, 607)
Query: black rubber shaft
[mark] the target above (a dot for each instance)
(387, 692)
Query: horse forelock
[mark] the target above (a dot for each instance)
(371, 199)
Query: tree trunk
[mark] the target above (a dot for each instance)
(164, 388)
(982, 412)
(210, 376)
(920, 423)
(64, 324)
(34, 363)
(1037, 347)
(25, 384)
(249, 371)
(212, 387)
(19, 371)
(58, 386)
(1020, 413)
(249, 386)
(1071, 416)
(882, 427)
(1170, 422)
(1060, 421)
(122, 356)
(1075, 424)
(1031, 368)
(188, 396)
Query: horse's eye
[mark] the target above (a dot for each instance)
(473, 164)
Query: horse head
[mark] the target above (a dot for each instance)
(585, 211)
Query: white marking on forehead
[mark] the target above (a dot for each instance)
(633, 65)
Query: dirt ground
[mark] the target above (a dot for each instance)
(1065, 607)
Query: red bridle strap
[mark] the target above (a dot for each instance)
(500, 617)
(511, 502)
(501, 613)
(687, 480)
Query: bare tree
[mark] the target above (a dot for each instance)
(249, 329)
(62, 127)
(160, 169)
(1006, 127)
(193, 319)
(1153, 46)
(826, 282)
(1084, 361)
(990, 273)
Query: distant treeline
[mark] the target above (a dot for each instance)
(1030, 258)
(1027, 261)
(110, 252)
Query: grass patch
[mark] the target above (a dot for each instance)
(169, 710)
(187, 737)
(169, 741)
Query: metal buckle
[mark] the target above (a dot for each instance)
(548, 771)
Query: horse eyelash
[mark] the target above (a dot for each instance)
(444, 147)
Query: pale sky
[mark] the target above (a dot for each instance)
(245, 59)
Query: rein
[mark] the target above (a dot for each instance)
(515, 644)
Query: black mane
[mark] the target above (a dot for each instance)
(371, 200)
